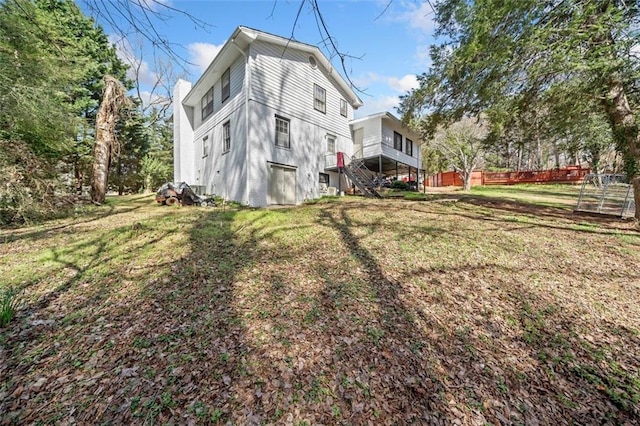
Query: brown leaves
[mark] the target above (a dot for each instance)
(343, 315)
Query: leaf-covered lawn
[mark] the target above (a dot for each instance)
(353, 312)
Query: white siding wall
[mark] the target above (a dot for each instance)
(283, 85)
(220, 108)
(371, 136)
(388, 127)
(223, 174)
(183, 155)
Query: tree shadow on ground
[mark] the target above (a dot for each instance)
(296, 315)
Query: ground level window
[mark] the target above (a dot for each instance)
(324, 182)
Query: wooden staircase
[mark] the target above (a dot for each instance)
(358, 173)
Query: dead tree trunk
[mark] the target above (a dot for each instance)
(106, 145)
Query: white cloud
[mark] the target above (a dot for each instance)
(378, 104)
(366, 80)
(403, 84)
(152, 99)
(154, 5)
(125, 51)
(419, 16)
(201, 54)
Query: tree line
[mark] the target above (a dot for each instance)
(540, 77)
(54, 62)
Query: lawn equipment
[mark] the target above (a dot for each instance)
(171, 193)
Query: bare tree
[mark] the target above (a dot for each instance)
(462, 145)
(154, 78)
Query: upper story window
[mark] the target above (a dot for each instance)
(205, 146)
(226, 137)
(331, 144)
(343, 107)
(206, 103)
(282, 132)
(409, 147)
(397, 141)
(226, 84)
(319, 98)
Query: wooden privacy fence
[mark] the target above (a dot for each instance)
(572, 174)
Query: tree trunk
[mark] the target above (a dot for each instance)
(625, 132)
(636, 197)
(466, 179)
(106, 144)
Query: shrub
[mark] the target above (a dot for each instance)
(400, 185)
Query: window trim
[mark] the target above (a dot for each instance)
(317, 102)
(284, 120)
(326, 183)
(334, 139)
(408, 147)
(226, 138)
(397, 137)
(344, 109)
(226, 88)
(205, 146)
(206, 109)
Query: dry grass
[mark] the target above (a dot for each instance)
(354, 312)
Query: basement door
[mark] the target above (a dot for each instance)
(282, 185)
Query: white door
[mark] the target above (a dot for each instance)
(282, 185)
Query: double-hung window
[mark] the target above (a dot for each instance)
(206, 104)
(282, 132)
(226, 137)
(343, 107)
(397, 141)
(331, 144)
(319, 98)
(408, 147)
(226, 84)
(205, 146)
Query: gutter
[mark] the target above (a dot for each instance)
(247, 90)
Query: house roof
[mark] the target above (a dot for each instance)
(241, 38)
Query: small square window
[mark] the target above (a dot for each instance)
(226, 85)
(226, 137)
(282, 132)
(331, 144)
(319, 98)
(343, 107)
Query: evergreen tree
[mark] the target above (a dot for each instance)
(517, 53)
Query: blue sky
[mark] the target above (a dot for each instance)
(393, 46)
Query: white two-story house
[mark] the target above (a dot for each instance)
(265, 121)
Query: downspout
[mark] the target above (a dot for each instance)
(247, 91)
